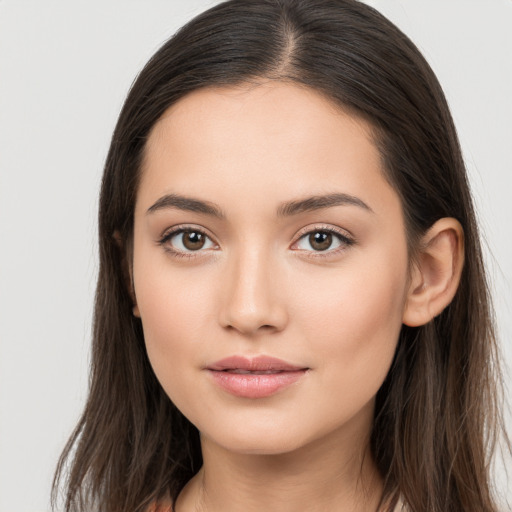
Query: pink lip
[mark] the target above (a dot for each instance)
(278, 375)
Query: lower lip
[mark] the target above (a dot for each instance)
(255, 385)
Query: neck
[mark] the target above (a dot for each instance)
(335, 474)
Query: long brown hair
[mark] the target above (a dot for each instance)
(437, 414)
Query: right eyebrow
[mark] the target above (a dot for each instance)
(185, 203)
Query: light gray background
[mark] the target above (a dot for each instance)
(65, 67)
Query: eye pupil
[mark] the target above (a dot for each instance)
(320, 240)
(193, 240)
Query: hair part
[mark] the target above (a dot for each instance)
(437, 414)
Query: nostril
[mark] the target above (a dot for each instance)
(248, 329)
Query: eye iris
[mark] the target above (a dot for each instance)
(193, 240)
(320, 240)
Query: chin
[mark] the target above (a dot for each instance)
(259, 438)
(260, 444)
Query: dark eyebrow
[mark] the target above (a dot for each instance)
(186, 203)
(318, 202)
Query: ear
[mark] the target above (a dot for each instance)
(436, 272)
(127, 271)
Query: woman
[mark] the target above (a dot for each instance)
(292, 311)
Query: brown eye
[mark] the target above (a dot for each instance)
(320, 240)
(193, 240)
(187, 241)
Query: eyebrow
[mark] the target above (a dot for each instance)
(319, 202)
(286, 209)
(186, 203)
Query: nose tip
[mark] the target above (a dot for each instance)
(248, 319)
(252, 301)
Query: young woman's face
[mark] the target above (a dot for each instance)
(270, 266)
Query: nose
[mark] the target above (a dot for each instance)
(252, 298)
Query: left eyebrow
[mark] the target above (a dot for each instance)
(186, 203)
(313, 203)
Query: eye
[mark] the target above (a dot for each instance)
(322, 240)
(187, 241)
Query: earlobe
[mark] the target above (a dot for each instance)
(436, 272)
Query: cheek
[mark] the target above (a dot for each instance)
(353, 319)
(357, 298)
(173, 305)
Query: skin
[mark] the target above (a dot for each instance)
(258, 286)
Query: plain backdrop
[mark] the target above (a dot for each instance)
(65, 67)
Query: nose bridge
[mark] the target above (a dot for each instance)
(251, 299)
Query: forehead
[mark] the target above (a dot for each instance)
(275, 140)
(272, 113)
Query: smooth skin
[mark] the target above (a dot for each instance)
(230, 265)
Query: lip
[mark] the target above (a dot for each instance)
(258, 363)
(243, 377)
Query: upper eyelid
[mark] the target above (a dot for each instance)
(169, 233)
(324, 227)
(180, 228)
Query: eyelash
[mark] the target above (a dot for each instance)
(345, 241)
(176, 253)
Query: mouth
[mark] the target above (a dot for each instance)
(255, 365)
(257, 377)
(239, 371)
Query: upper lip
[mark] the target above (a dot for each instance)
(259, 363)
